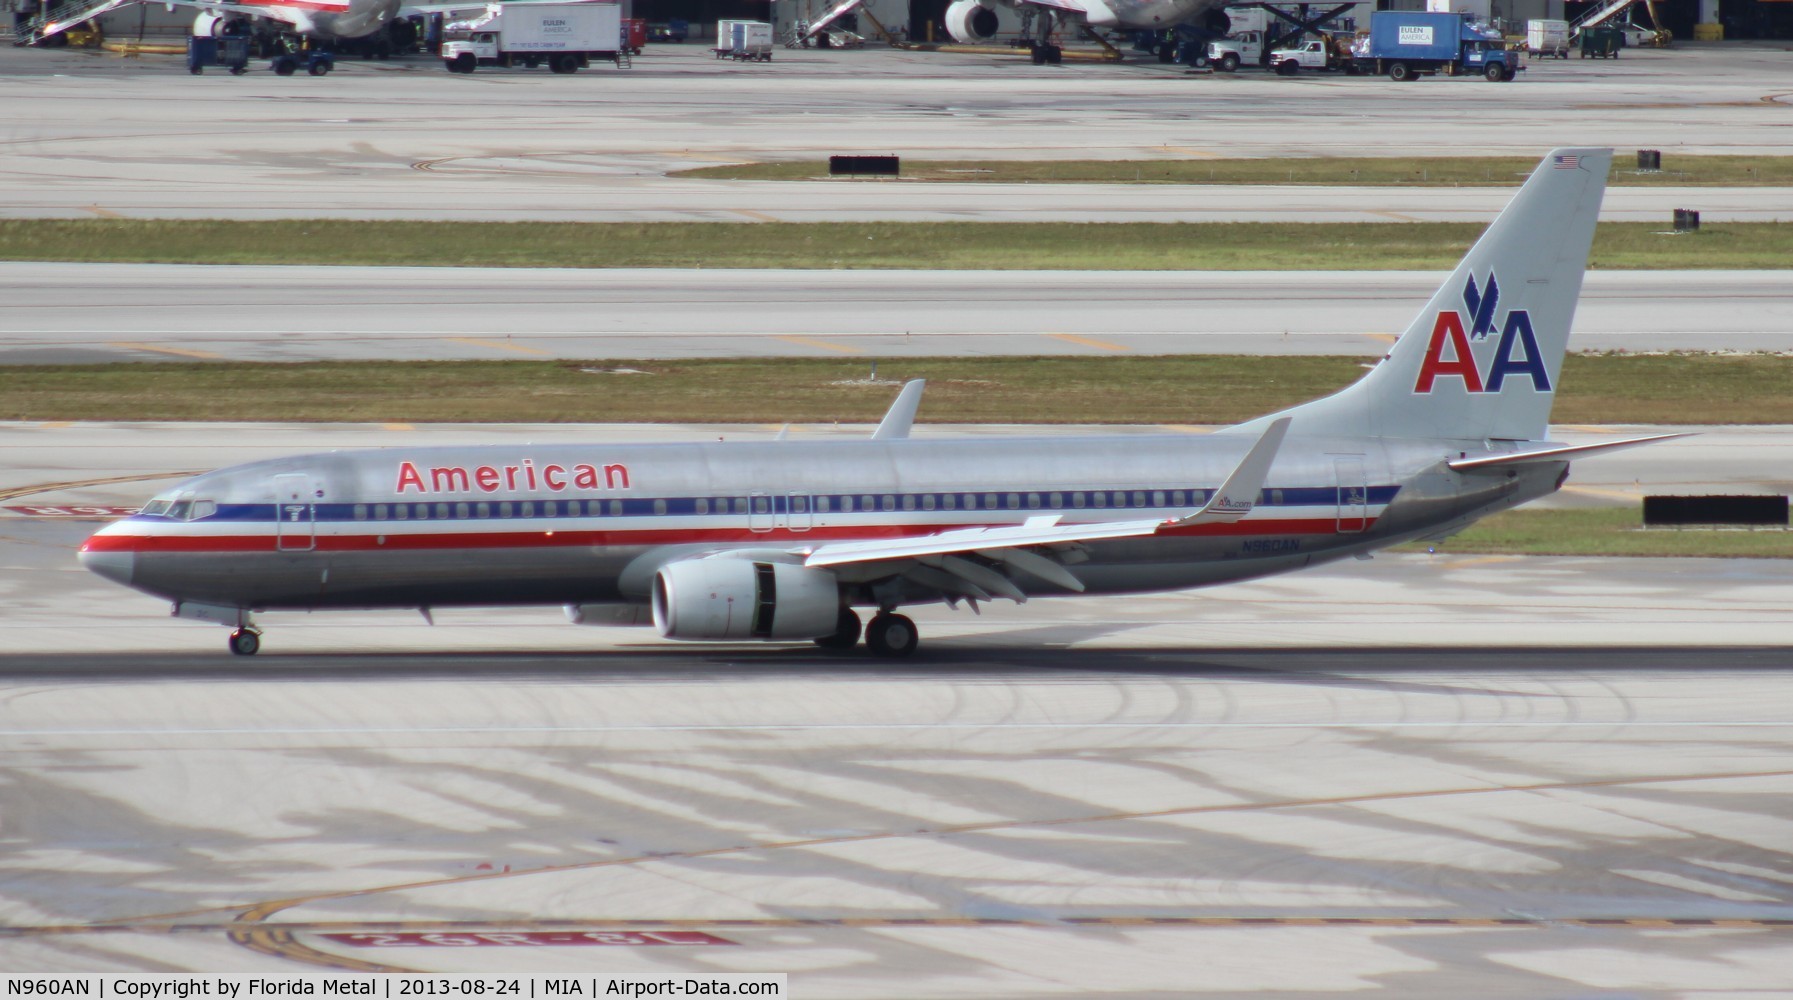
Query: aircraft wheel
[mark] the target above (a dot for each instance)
(1039, 55)
(244, 642)
(846, 632)
(892, 636)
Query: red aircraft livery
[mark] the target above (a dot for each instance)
(552, 477)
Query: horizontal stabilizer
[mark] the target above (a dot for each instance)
(1556, 453)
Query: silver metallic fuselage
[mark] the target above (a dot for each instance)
(580, 524)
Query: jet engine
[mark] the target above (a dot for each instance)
(970, 21)
(732, 598)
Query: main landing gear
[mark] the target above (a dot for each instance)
(1044, 52)
(245, 642)
(887, 635)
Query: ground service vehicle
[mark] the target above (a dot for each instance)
(1547, 38)
(1410, 44)
(1244, 48)
(1315, 53)
(565, 36)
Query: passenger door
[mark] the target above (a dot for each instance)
(295, 512)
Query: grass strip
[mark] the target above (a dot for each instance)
(1368, 171)
(1606, 531)
(1189, 389)
(827, 245)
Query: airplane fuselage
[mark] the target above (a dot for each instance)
(591, 524)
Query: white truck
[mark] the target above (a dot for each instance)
(1315, 53)
(1227, 54)
(565, 36)
(1547, 38)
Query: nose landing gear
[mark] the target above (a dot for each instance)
(245, 642)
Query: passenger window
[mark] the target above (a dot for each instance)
(1055, 501)
(504, 509)
(1177, 499)
(401, 511)
(908, 501)
(950, 501)
(1139, 498)
(1077, 500)
(762, 505)
(528, 509)
(462, 510)
(1120, 499)
(361, 512)
(485, 509)
(616, 508)
(442, 511)
(971, 501)
(703, 505)
(550, 508)
(822, 505)
(889, 502)
(1033, 501)
(799, 505)
(740, 505)
(1014, 501)
(1276, 498)
(380, 512)
(846, 505)
(659, 506)
(927, 501)
(1157, 498)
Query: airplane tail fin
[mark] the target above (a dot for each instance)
(1483, 358)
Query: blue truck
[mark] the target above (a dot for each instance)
(1409, 44)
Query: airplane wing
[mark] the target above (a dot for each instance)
(1062, 6)
(938, 555)
(1555, 453)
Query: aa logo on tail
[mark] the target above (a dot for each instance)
(1516, 354)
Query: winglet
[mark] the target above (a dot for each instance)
(1238, 494)
(901, 417)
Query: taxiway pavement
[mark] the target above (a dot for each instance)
(100, 136)
(75, 313)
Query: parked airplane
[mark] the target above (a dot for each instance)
(782, 540)
(975, 20)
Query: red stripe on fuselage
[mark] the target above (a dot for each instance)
(372, 542)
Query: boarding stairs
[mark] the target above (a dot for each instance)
(60, 18)
(801, 35)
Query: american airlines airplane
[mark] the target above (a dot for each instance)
(975, 20)
(782, 540)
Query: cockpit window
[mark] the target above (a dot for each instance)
(180, 508)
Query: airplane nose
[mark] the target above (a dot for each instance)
(118, 567)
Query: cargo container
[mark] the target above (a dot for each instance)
(1547, 38)
(748, 40)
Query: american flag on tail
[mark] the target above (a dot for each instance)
(1565, 161)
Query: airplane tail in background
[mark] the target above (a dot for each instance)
(1483, 358)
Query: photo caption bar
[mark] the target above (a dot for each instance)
(388, 986)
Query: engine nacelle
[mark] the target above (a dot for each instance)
(208, 25)
(726, 598)
(970, 21)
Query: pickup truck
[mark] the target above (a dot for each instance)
(1315, 54)
(1226, 54)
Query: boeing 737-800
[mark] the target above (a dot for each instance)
(783, 540)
